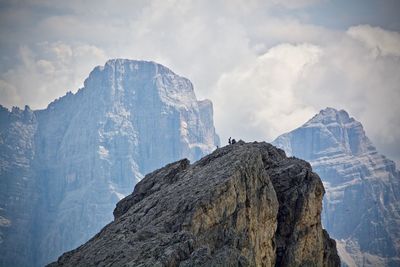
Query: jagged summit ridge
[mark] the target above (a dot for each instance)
(171, 88)
(86, 150)
(331, 115)
(116, 74)
(361, 207)
(243, 205)
(330, 133)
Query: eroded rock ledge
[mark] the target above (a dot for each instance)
(243, 205)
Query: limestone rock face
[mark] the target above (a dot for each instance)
(18, 194)
(362, 204)
(242, 205)
(64, 168)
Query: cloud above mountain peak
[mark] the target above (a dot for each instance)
(268, 66)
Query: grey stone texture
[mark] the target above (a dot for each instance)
(362, 203)
(245, 204)
(63, 169)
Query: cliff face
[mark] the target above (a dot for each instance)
(17, 189)
(242, 205)
(362, 204)
(63, 169)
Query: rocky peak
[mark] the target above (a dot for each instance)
(121, 65)
(361, 207)
(348, 133)
(330, 133)
(331, 115)
(134, 78)
(86, 150)
(243, 205)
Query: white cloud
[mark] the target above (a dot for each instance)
(9, 94)
(381, 41)
(46, 72)
(266, 68)
(294, 4)
(259, 100)
(284, 87)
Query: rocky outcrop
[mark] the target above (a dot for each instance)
(17, 188)
(242, 205)
(362, 204)
(63, 169)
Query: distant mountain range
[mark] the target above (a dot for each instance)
(63, 169)
(362, 203)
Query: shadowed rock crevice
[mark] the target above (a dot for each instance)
(243, 205)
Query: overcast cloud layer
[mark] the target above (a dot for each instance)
(268, 66)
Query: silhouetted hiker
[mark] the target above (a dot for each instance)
(229, 141)
(233, 141)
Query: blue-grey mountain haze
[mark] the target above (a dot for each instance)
(63, 169)
(278, 62)
(267, 66)
(362, 201)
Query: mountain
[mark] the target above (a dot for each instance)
(18, 193)
(245, 204)
(63, 169)
(362, 203)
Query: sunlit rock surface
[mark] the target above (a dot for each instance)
(243, 205)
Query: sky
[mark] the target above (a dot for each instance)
(268, 66)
